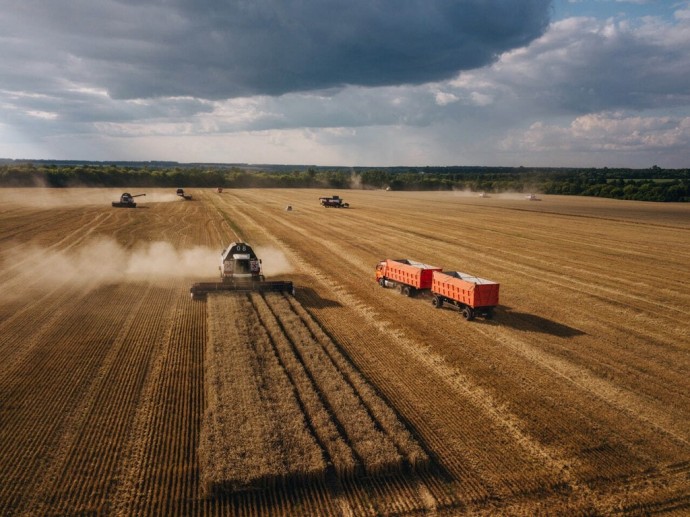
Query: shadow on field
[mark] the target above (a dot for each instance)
(533, 323)
(310, 298)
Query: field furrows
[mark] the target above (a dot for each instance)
(671, 335)
(243, 442)
(277, 356)
(466, 411)
(601, 448)
(90, 450)
(159, 471)
(68, 368)
(123, 397)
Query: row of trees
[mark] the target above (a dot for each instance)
(653, 184)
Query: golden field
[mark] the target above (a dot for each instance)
(120, 395)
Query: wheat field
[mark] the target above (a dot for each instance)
(120, 395)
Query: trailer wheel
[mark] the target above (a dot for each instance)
(468, 313)
(406, 291)
(437, 302)
(382, 282)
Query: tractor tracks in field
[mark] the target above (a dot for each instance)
(561, 464)
(324, 382)
(430, 362)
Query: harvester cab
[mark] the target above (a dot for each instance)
(126, 201)
(239, 262)
(240, 270)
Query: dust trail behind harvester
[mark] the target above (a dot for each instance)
(273, 261)
(47, 198)
(98, 262)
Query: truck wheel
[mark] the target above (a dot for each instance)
(406, 290)
(437, 302)
(468, 313)
(382, 282)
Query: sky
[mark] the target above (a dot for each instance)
(540, 83)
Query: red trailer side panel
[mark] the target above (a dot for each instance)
(464, 288)
(408, 272)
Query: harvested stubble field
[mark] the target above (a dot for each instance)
(575, 399)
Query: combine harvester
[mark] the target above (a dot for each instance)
(186, 197)
(240, 271)
(471, 295)
(333, 202)
(126, 201)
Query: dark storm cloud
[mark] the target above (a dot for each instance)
(216, 49)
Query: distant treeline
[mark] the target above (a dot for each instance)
(653, 184)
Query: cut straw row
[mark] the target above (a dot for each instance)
(254, 432)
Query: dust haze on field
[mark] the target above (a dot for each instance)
(273, 261)
(37, 197)
(104, 261)
(507, 194)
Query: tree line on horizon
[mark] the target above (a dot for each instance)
(652, 184)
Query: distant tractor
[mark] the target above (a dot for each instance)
(532, 197)
(127, 201)
(240, 270)
(186, 197)
(219, 190)
(333, 202)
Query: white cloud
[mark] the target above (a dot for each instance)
(612, 132)
(443, 98)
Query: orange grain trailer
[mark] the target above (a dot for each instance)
(408, 276)
(471, 295)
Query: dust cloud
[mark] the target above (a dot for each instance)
(104, 260)
(47, 198)
(513, 195)
(273, 261)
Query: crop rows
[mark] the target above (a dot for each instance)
(284, 404)
(573, 380)
(123, 396)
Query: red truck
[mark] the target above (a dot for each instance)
(473, 296)
(406, 275)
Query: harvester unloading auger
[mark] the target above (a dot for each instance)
(240, 270)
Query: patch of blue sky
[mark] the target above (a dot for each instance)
(617, 9)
